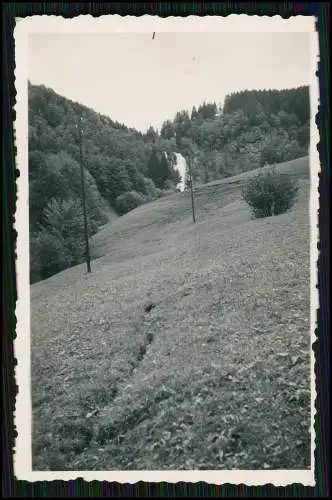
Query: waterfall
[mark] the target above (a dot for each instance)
(181, 167)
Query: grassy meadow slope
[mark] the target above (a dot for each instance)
(214, 376)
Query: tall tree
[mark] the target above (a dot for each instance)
(167, 130)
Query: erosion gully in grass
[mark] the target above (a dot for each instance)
(214, 375)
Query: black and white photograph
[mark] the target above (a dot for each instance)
(167, 239)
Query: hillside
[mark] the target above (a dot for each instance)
(214, 375)
(177, 207)
(124, 168)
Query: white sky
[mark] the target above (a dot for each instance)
(140, 82)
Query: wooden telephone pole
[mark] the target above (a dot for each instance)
(86, 236)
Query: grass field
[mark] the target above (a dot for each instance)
(214, 376)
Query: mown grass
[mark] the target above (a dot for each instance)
(214, 376)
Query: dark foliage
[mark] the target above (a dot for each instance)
(128, 201)
(254, 128)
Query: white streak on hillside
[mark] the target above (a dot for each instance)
(181, 167)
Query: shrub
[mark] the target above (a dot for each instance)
(128, 201)
(270, 193)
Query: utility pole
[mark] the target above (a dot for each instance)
(86, 236)
(191, 189)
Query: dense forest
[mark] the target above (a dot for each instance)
(254, 128)
(124, 167)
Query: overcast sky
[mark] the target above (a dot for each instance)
(139, 81)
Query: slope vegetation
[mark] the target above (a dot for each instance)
(187, 347)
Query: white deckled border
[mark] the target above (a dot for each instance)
(110, 24)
